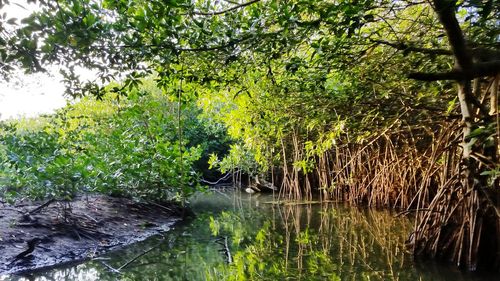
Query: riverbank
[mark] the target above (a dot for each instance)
(96, 224)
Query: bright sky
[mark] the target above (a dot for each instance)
(29, 95)
(33, 95)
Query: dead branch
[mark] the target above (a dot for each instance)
(225, 177)
(37, 209)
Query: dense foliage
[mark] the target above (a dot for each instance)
(115, 146)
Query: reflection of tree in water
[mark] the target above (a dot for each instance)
(362, 244)
(272, 242)
(314, 242)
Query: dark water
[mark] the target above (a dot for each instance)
(268, 241)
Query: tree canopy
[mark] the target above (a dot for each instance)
(341, 95)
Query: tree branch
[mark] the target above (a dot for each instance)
(425, 76)
(446, 13)
(173, 47)
(408, 47)
(226, 10)
(491, 68)
(214, 48)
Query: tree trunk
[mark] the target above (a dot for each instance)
(463, 217)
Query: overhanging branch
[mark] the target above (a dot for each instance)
(478, 53)
(409, 48)
(491, 68)
(445, 10)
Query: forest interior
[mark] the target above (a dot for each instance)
(380, 103)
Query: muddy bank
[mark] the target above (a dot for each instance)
(96, 224)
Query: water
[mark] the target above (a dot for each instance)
(266, 241)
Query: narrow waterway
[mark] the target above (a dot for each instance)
(236, 236)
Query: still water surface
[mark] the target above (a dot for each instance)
(241, 237)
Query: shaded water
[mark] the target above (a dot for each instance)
(270, 242)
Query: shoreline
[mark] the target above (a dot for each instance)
(97, 224)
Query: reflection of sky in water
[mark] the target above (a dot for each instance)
(81, 272)
(334, 242)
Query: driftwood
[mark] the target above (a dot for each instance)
(39, 208)
(260, 184)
